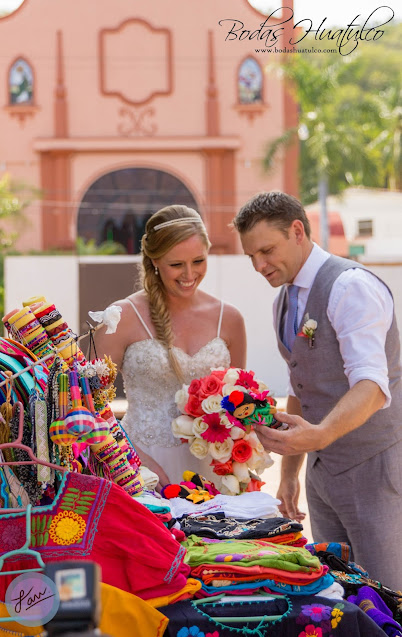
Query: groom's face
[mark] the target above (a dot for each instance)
(275, 253)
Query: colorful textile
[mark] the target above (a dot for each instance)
(94, 519)
(268, 585)
(188, 591)
(225, 528)
(249, 553)
(371, 603)
(299, 617)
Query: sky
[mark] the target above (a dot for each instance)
(338, 13)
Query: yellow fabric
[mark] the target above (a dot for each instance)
(13, 628)
(122, 615)
(188, 590)
(125, 615)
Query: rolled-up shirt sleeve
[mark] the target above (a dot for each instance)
(360, 309)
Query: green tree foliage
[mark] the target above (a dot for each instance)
(91, 248)
(350, 116)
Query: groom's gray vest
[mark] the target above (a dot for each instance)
(319, 381)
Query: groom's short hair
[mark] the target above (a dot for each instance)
(273, 207)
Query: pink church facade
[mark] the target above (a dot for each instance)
(114, 109)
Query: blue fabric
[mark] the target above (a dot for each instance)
(313, 588)
(290, 329)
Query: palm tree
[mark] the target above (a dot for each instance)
(333, 147)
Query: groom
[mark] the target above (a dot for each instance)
(337, 332)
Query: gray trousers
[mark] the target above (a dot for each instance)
(363, 507)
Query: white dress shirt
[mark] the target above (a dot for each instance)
(360, 309)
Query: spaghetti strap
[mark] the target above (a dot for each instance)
(141, 319)
(220, 320)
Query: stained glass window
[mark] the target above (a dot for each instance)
(249, 82)
(20, 83)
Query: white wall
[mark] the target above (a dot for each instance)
(55, 278)
(230, 277)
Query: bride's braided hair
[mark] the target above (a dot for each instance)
(155, 243)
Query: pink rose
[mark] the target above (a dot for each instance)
(210, 385)
(219, 373)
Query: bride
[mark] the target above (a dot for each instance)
(169, 333)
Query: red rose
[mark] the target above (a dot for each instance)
(210, 385)
(194, 386)
(241, 451)
(193, 407)
(222, 468)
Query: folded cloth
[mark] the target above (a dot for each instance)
(150, 478)
(372, 604)
(245, 506)
(225, 528)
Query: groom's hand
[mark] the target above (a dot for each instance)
(301, 436)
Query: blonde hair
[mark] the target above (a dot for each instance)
(164, 230)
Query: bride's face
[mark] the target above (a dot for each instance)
(183, 268)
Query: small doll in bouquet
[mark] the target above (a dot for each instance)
(252, 409)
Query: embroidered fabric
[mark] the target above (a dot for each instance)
(150, 386)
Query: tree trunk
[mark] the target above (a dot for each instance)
(323, 193)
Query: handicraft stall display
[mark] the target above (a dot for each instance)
(212, 563)
(66, 400)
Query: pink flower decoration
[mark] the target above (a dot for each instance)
(234, 421)
(246, 379)
(215, 432)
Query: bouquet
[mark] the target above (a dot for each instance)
(219, 415)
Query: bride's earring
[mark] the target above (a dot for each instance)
(156, 271)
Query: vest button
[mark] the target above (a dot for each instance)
(299, 385)
(305, 406)
(293, 364)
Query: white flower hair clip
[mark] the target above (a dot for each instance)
(109, 317)
(308, 330)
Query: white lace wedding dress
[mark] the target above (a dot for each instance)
(150, 387)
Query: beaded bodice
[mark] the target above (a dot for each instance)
(150, 386)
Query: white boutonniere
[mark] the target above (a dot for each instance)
(308, 330)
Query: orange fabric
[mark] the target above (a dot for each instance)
(124, 615)
(188, 591)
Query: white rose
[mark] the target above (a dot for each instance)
(311, 324)
(309, 327)
(240, 470)
(252, 438)
(231, 375)
(230, 485)
(237, 432)
(199, 448)
(212, 404)
(260, 461)
(228, 388)
(181, 397)
(226, 422)
(182, 427)
(221, 451)
(199, 426)
(261, 386)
